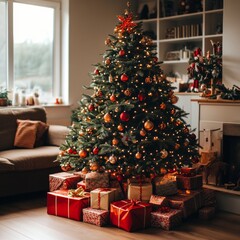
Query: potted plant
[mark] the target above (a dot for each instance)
(4, 97)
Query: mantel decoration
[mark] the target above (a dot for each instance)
(206, 71)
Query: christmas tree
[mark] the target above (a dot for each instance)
(130, 126)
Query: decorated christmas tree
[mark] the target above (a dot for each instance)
(130, 126)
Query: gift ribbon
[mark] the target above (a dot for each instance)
(99, 195)
(79, 192)
(129, 205)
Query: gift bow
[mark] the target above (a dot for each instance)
(79, 192)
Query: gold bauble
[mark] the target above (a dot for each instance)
(177, 146)
(163, 106)
(173, 111)
(120, 127)
(94, 166)
(82, 153)
(164, 153)
(174, 99)
(163, 171)
(148, 125)
(107, 118)
(110, 78)
(148, 80)
(143, 132)
(115, 141)
(156, 138)
(112, 159)
(127, 92)
(107, 61)
(84, 170)
(61, 153)
(138, 155)
(162, 126)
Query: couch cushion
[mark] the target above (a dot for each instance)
(30, 159)
(26, 134)
(6, 165)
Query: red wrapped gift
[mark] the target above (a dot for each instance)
(80, 173)
(158, 201)
(189, 203)
(194, 182)
(63, 180)
(59, 203)
(97, 217)
(95, 180)
(206, 213)
(130, 215)
(102, 197)
(83, 185)
(166, 220)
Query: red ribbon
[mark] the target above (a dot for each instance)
(99, 194)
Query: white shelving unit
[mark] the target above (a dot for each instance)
(173, 30)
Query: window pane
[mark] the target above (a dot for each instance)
(3, 44)
(33, 30)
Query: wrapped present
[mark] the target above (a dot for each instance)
(165, 186)
(206, 213)
(83, 185)
(102, 197)
(95, 180)
(63, 180)
(158, 201)
(208, 197)
(194, 182)
(139, 191)
(80, 173)
(97, 217)
(188, 172)
(59, 203)
(130, 215)
(166, 220)
(188, 202)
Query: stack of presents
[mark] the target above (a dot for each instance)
(163, 202)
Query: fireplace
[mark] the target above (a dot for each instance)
(231, 152)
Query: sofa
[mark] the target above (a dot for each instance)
(26, 169)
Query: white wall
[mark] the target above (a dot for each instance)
(231, 45)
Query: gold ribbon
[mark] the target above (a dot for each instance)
(79, 192)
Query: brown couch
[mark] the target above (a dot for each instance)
(25, 170)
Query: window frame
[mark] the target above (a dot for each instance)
(56, 91)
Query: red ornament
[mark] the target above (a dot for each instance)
(120, 178)
(124, 77)
(155, 59)
(141, 97)
(96, 72)
(121, 53)
(91, 107)
(124, 116)
(95, 150)
(66, 168)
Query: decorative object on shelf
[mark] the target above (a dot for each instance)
(4, 101)
(207, 69)
(227, 93)
(145, 12)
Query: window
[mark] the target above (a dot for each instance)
(33, 47)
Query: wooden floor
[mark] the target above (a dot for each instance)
(23, 218)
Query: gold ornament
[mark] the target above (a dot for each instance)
(138, 155)
(108, 41)
(173, 111)
(164, 153)
(112, 159)
(162, 126)
(143, 132)
(115, 141)
(156, 138)
(120, 127)
(148, 125)
(61, 153)
(163, 171)
(148, 80)
(177, 146)
(186, 130)
(113, 98)
(82, 153)
(110, 78)
(107, 118)
(178, 122)
(174, 99)
(94, 166)
(163, 106)
(84, 170)
(107, 61)
(127, 92)
(81, 133)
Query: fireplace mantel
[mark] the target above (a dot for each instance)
(210, 114)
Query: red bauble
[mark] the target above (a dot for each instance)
(141, 97)
(121, 53)
(96, 71)
(124, 116)
(120, 178)
(124, 77)
(66, 168)
(91, 107)
(95, 150)
(155, 59)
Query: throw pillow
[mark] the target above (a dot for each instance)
(25, 136)
(30, 133)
